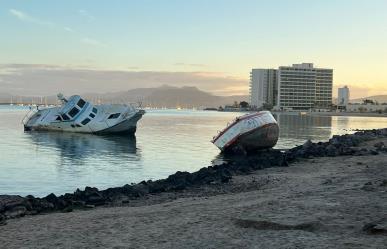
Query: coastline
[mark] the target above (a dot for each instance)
(331, 189)
(347, 114)
(335, 114)
(324, 114)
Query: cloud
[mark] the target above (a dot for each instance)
(86, 15)
(32, 79)
(68, 29)
(357, 90)
(189, 65)
(27, 18)
(93, 42)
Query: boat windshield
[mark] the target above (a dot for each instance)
(73, 112)
(65, 117)
(81, 103)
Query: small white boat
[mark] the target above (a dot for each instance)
(78, 115)
(248, 133)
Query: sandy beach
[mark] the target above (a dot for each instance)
(314, 203)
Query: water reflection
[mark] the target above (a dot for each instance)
(296, 129)
(80, 147)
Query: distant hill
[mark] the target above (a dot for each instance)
(170, 97)
(379, 98)
(164, 96)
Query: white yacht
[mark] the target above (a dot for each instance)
(78, 115)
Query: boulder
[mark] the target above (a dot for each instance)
(95, 199)
(7, 202)
(379, 145)
(15, 211)
(376, 228)
(52, 199)
(331, 150)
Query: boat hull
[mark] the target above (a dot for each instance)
(128, 126)
(260, 138)
(249, 132)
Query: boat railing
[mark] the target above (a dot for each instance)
(134, 104)
(29, 114)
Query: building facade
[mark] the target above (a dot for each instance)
(356, 107)
(296, 87)
(343, 96)
(302, 87)
(263, 87)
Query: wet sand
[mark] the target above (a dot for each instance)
(314, 203)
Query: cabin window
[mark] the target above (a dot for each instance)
(85, 121)
(58, 118)
(73, 112)
(95, 110)
(92, 115)
(113, 116)
(77, 125)
(81, 103)
(65, 117)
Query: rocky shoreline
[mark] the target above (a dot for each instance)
(12, 206)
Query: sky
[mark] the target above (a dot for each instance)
(105, 46)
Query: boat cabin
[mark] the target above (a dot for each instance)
(72, 108)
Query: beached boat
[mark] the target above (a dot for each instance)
(75, 114)
(249, 132)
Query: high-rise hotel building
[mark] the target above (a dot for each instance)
(296, 87)
(263, 86)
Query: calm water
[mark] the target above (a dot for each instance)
(166, 141)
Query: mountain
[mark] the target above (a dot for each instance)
(163, 96)
(170, 97)
(379, 98)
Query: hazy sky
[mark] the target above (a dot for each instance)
(98, 46)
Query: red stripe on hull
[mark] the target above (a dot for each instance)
(234, 123)
(270, 142)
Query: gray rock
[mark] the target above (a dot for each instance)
(7, 202)
(379, 145)
(15, 212)
(376, 228)
(331, 150)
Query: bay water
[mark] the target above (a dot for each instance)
(167, 141)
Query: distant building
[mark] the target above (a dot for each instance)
(302, 87)
(296, 87)
(263, 87)
(343, 96)
(366, 107)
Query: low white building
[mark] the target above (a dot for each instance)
(366, 107)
